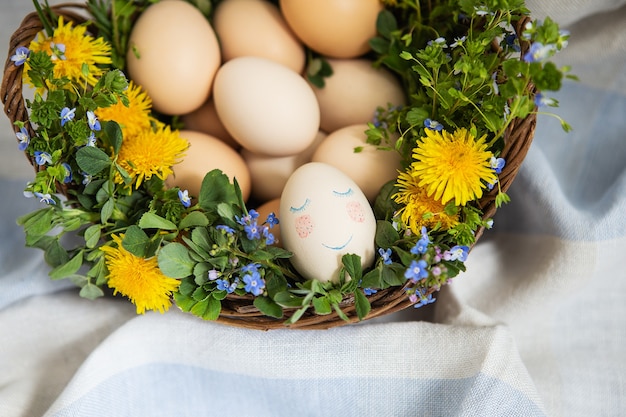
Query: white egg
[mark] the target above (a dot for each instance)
(325, 215)
(266, 107)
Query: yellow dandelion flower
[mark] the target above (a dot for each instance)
(138, 278)
(70, 48)
(133, 118)
(151, 152)
(418, 209)
(453, 166)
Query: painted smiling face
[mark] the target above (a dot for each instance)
(325, 215)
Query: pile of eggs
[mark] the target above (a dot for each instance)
(238, 85)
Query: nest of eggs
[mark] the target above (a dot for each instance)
(239, 309)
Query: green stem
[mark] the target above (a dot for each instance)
(512, 115)
(44, 17)
(115, 32)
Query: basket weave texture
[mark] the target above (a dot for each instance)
(239, 310)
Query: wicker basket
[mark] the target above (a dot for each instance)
(239, 310)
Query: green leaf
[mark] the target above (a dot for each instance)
(454, 267)
(174, 261)
(372, 279)
(92, 160)
(92, 235)
(107, 210)
(94, 186)
(317, 70)
(362, 304)
(384, 205)
(451, 209)
(296, 315)
(261, 255)
(113, 135)
(386, 23)
(199, 294)
(98, 272)
(352, 263)
(151, 220)
(275, 283)
(200, 237)
(196, 252)
(186, 287)
(220, 262)
(386, 234)
(321, 305)
(225, 210)
(335, 296)
(184, 302)
(55, 254)
(547, 78)
(340, 312)
(79, 132)
(268, 307)
(136, 241)
(219, 295)
(287, 299)
(72, 224)
(43, 242)
(37, 223)
(208, 309)
(201, 272)
(25, 218)
(91, 291)
(215, 189)
(316, 80)
(393, 275)
(379, 45)
(68, 268)
(79, 280)
(278, 253)
(416, 116)
(193, 219)
(124, 174)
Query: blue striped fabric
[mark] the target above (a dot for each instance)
(535, 327)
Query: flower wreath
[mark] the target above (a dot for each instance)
(474, 72)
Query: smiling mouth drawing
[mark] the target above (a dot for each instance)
(338, 247)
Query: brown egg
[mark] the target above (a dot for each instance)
(354, 91)
(257, 28)
(339, 29)
(206, 153)
(269, 174)
(174, 55)
(370, 169)
(205, 120)
(272, 206)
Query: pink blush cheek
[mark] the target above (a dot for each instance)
(304, 225)
(355, 211)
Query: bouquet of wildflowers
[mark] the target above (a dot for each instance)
(472, 70)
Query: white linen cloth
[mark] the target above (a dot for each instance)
(535, 327)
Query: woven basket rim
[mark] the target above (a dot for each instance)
(238, 311)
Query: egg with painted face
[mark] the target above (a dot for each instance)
(325, 215)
